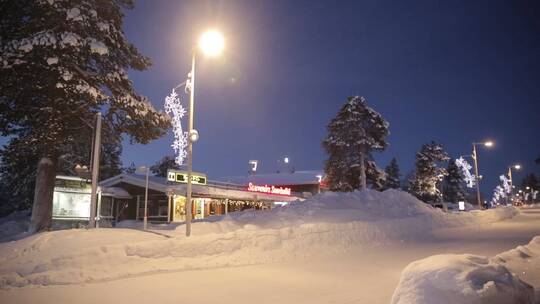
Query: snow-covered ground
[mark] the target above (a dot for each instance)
(337, 248)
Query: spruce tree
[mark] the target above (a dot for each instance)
(61, 62)
(19, 164)
(428, 174)
(160, 168)
(392, 175)
(454, 184)
(353, 134)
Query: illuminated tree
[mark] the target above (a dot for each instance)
(428, 174)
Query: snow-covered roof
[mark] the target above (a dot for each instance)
(115, 192)
(213, 189)
(308, 177)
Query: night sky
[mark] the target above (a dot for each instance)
(451, 71)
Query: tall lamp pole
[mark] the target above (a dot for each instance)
(211, 43)
(517, 167)
(476, 175)
(95, 172)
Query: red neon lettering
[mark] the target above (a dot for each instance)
(269, 189)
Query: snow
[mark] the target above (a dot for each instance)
(52, 60)
(327, 223)
(69, 38)
(103, 26)
(74, 14)
(460, 278)
(98, 47)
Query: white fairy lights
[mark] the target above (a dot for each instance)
(469, 178)
(174, 106)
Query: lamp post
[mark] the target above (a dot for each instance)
(146, 171)
(475, 157)
(211, 43)
(95, 172)
(517, 167)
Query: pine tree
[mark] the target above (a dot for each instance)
(60, 63)
(353, 134)
(454, 184)
(428, 175)
(392, 175)
(19, 165)
(160, 167)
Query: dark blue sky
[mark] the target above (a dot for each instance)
(452, 71)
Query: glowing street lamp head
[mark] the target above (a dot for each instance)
(488, 144)
(212, 43)
(517, 167)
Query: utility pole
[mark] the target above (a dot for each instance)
(475, 157)
(95, 172)
(190, 145)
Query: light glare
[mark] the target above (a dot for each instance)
(212, 43)
(488, 144)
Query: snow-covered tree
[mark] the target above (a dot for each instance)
(60, 63)
(454, 184)
(160, 168)
(428, 175)
(392, 175)
(353, 134)
(19, 164)
(131, 169)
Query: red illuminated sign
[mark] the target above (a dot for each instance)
(269, 189)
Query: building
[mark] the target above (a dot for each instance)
(166, 197)
(71, 201)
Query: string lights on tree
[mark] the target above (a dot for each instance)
(506, 183)
(465, 167)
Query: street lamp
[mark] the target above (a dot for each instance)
(145, 170)
(475, 157)
(517, 167)
(211, 44)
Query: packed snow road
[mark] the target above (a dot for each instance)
(235, 268)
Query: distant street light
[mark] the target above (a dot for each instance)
(145, 170)
(475, 157)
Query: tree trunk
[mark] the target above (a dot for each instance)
(43, 197)
(362, 172)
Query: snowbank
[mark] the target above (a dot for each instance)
(465, 278)
(324, 224)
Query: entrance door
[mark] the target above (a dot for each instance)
(179, 209)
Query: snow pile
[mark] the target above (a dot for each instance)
(325, 224)
(525, 261)
(373, 207)
(464, 278)
(451, 278)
